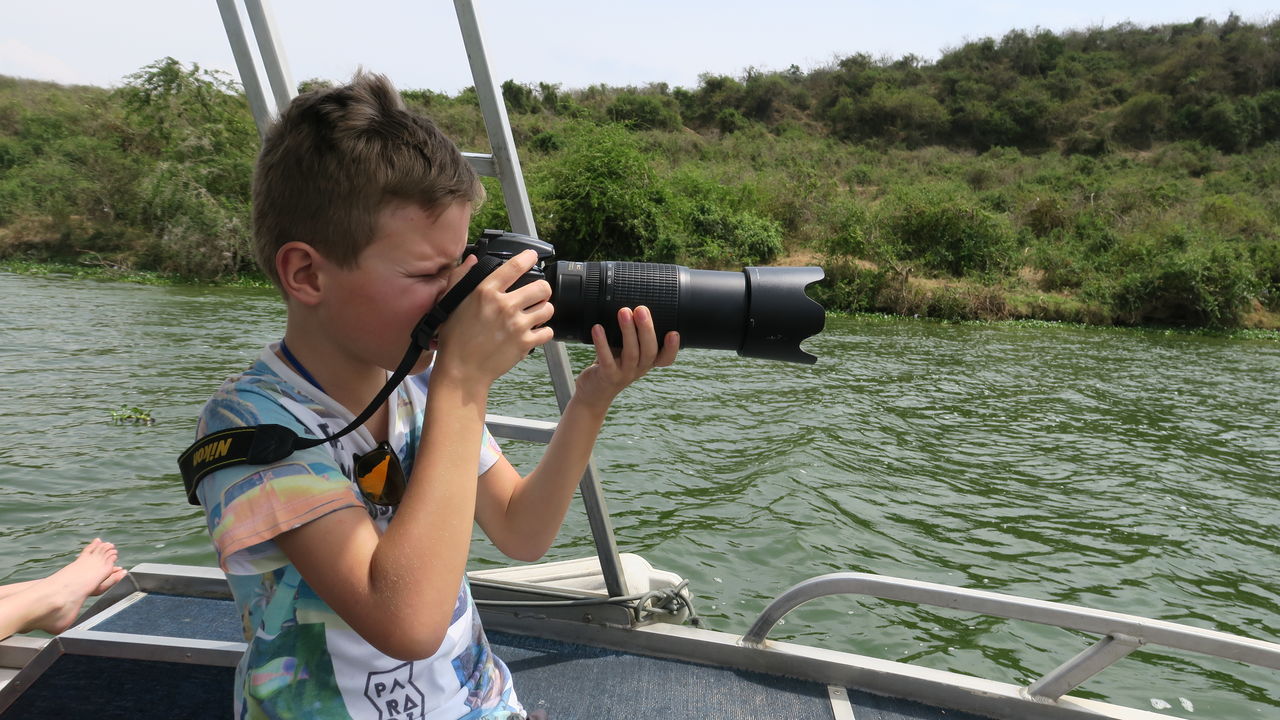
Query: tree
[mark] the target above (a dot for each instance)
(195, 199)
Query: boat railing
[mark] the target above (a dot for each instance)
(523, 429)
(1121, 633)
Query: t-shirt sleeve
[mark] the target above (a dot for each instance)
(490, 451)
(248, 505)
(418, 385)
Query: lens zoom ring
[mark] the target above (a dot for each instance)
(591, 282)
(654, 285)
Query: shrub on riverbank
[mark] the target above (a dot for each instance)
(1070, 176)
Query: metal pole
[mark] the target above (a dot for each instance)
(264, 28)
(496, 122)
(498, 127)
(244, 63)
(1091, 661)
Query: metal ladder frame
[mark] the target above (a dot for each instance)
(503, 163)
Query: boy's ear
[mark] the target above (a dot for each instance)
(297, 265)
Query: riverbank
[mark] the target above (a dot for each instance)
(922, 299)
(859, 286)
(115, 273)
(1092, 186)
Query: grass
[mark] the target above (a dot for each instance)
(140, 277)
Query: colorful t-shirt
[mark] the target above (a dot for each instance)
(302, 660)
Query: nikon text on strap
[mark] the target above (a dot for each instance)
(265, 444)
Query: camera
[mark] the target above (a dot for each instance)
(760, 312)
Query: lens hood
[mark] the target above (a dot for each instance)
(779, 313)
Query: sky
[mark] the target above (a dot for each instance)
(573, 43)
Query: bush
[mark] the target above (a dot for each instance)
(909, 116)
(711, 223)
(1028, 108)
(645, 112)
(1188, 158)
(1090, 143)
(601, 198)
(1175, 278)
(848, 228)
(714, 93)
(547, 141)
(756, 240)
(1141, 120)
(1231, 125)
(722, 237)
(765, 94)
(1269, 116)
(195, 234)
(1236, 214)
(1059, 261)
(849, 286)
(1266, 262)
(1068, 256)
(729, 120)
(946, 231)
(520, 98)
(1044, 215)
(555, 101)
(12, 153)
(492, 213)
(980, 126)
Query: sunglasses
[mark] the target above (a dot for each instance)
(379, 476)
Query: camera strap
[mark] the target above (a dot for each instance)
(265, 444)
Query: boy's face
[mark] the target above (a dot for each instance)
(397, 279)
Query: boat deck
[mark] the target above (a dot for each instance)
(578, 682)
(571, 681)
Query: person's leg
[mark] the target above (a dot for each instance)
(14, 588)
(21, 611)
(52, 603)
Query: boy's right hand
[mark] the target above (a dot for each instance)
(494, 329)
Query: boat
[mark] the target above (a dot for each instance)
(598, 637)
(164, 642)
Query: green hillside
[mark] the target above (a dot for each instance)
(1108, 175)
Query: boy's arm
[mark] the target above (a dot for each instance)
(521, 516)
(398, 589)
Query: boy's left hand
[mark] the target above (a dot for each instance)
(615, 369)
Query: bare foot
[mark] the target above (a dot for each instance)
(117, 574)
(64, 592)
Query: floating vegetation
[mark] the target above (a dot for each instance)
(131, 415)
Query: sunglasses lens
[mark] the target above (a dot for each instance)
(380, 476)
(375, 481)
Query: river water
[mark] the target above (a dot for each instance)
(1128, 471)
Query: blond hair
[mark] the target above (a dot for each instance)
(336, 157)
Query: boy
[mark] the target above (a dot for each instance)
(361, 211)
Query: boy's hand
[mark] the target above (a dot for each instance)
(615, 369)
(493, 329)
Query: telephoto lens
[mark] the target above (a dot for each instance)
(760, 312)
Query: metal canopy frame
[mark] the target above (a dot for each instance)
(503, 163)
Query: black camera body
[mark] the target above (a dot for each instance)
(761, 312)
